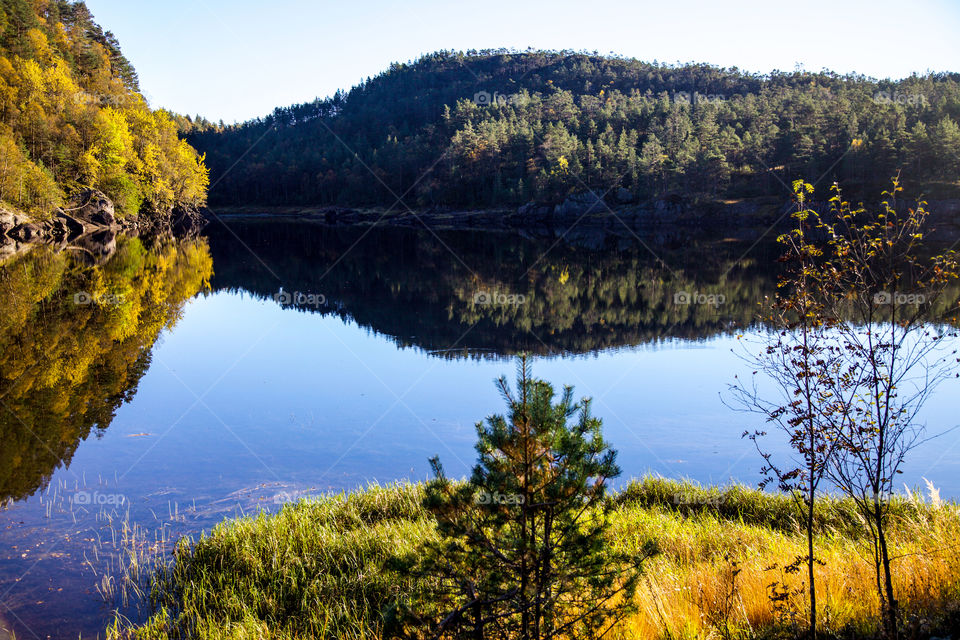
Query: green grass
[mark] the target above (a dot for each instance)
(324, 567)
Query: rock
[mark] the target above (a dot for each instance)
(186, 221)
(58, 227)
(534, 209)
(581, 203)
(623, 196)
(8, 220)
(91, 206)
(74, 227)
(535, 212)
(587, 238)
(98, 247)
(10, 248)
(26, 232)
(671, 204)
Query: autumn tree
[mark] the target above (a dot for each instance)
(887, 292)
(72, 117)
(798, 369)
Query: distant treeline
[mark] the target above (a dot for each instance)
(502, 128)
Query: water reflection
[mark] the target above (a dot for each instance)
(75, 339)
(496, 294)
(259, 395)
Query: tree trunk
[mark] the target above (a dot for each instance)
(477, 620)
(891, 614)
(810, 565)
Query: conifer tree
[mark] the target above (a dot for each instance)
(524, 550)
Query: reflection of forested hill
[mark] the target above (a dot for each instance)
(591, 293)
(75, 340)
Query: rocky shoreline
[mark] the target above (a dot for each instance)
(576, 214)
(741, 217)
(89, 222)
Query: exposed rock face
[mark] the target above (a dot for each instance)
(9, 220)
(580, 204)
(26, 232)
(98, 247)
(535, 212)
(186, 221)
(93, 207)
(577, 204)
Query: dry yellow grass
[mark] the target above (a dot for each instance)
(321, 568)
(714, 576)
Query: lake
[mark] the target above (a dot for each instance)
(155, 390)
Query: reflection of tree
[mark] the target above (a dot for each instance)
(75, 340)
(589, 292)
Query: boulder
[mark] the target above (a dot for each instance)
(91, 206)
(58, 227)
(74, 227)
(8, 220)
(579, 204)
(98, 247)
(186, 221)
(623, 196)
(26, 232)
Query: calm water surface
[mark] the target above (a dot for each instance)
(170, 385)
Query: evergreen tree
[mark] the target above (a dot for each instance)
(723, 133)
(524, 550)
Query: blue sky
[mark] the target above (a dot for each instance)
(239, 59)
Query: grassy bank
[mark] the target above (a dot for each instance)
(325, 567)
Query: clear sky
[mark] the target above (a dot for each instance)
(237, 59)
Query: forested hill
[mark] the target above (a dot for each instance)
(502, 128)
(72, 117)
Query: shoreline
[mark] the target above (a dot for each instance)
(744, 218)
(92, 225)
(760, 212)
